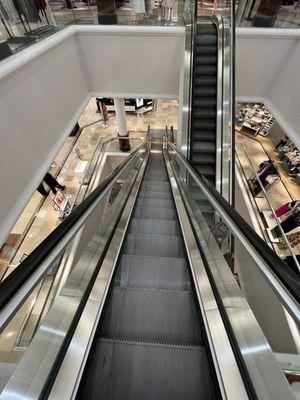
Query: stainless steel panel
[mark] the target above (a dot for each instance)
(187, 91)
(68, 379)
(230, 380)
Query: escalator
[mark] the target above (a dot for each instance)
(204, 103)
(149, 308)
(151, 321)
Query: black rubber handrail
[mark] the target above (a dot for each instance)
(290, 279)
(17, 278)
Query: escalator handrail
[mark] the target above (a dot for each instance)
(18, 277)
(284, 283)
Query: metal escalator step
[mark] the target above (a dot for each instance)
(207, 171)
(135, 371)
(206, 50)
(156, 186)
(204, 135)
(204, 112)
(153, 245)
(204, 159)
(155, 177)
(156, 146)
(206, 29)
(154, 226)
(154, 194)
(205, 81)
(204, 123)
(156, 315)
(157, 166)
(205, 60)
(161, 203)
(206, 70)
(206, 40)
(153, 273)
(210, 92)
(156, 213)
(204, 147)
(205, 102)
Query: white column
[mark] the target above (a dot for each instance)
(121, 116)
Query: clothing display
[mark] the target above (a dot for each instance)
(9, 11)
(286, 208)
(168, 3)
(284, 139)
(267, 174)
(289, 224)
(139, 6)
(290, 158)
(40, 4)
(294, 238)
(28, 9)
(254, 119)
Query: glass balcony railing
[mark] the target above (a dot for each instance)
(67, 277)
(25, 22)
(268, 14)
(281, 243)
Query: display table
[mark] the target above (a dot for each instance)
(271, 223)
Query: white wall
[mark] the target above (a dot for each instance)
(44, 89)
(267, 70)
(139, 60)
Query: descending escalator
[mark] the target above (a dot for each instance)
(204, 109)
(151, 342)
(204, 112)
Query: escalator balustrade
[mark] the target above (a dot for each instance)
(151, 342)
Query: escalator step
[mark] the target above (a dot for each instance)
(204, 123)
(154, 194)
(206, 70)
(204, 159)
(207, 171)
(206, 40)
(155, 213)
(205, 92)
(205, 102)
(134, 371)
(205, 81)
(154, 245)
(161, 203)
(204, 135)
(154, 226)
(204, 112)
(153, 273)
(206, 50)
(206, 29)
(204, 147)
(155, 177)
(155, 315)
(157, 186)
(205, 60)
